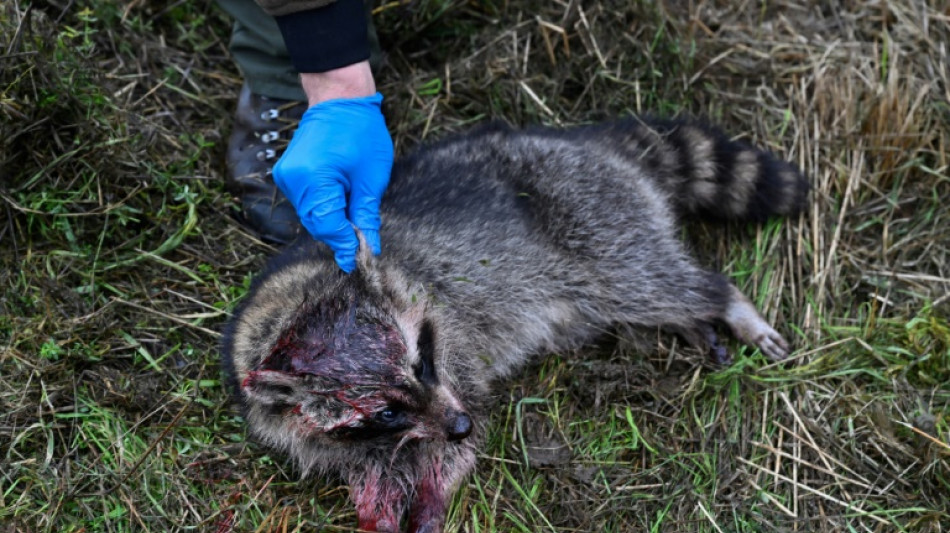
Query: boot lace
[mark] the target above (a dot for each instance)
(279, 137)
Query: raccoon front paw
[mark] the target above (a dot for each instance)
(717, 352)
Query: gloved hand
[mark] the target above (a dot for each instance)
(335, 171)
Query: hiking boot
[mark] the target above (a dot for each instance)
(262, 129)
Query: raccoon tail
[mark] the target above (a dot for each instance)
(710, 175)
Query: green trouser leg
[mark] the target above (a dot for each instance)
(258, 49)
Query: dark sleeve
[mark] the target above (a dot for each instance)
(327, 37)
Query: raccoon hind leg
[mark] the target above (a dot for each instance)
(725, 303)
(747, 324)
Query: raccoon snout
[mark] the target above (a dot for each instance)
(458, 425)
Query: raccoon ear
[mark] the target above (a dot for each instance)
(364, 256)
(271, 388)
(410, 320)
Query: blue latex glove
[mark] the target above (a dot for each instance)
(335, 172)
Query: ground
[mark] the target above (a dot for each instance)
(121, 261)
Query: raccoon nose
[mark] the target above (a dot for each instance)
(459, 425)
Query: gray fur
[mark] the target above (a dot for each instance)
(507, 244)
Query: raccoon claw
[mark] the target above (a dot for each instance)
(773, 346)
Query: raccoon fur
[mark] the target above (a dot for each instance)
(498, 245)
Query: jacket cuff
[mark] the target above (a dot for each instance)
(326, 38)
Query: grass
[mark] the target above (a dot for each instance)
(120, 263)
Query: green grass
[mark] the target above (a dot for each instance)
(120, 263)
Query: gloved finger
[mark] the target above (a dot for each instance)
(364, 213)
(323, 213)
(345, 256)
(368, 185)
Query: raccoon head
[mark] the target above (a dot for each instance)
(349, 378)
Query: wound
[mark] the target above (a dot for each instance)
(340, 367)
(427, 512)
(380, 501)
(332, 341)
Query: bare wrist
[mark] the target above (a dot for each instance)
(351, 81)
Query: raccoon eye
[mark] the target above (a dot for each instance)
(386, 423)
(388, 415)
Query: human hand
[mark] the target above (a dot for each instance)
(335, 171)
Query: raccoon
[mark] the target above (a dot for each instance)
(499, 244)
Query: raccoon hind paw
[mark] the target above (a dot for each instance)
(747, 324)
(772, 344)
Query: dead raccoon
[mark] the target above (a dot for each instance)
(498, 245)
